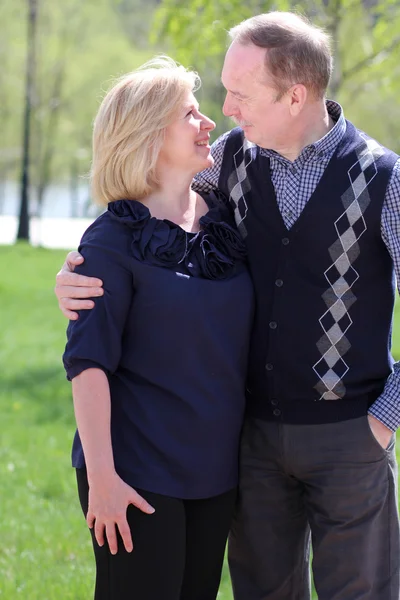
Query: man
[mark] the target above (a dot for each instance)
(318, 203)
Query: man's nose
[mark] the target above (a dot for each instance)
(228, 107)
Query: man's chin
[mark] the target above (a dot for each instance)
(248, 132)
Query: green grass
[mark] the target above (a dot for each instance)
(45, 551)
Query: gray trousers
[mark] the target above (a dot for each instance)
(333, 481)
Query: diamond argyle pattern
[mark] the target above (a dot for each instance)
(341, 275)
(239, 185)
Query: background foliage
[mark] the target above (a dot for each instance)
(82, 46)
(365, 36)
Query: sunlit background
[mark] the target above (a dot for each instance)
(57, 58)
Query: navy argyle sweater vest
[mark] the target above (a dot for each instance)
(325, 288)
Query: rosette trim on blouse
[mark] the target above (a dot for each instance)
(215, 252)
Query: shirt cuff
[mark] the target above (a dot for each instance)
(386, 407)
(76, 367)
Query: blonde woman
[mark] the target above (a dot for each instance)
(158, 366)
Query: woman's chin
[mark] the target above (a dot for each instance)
(203, 164)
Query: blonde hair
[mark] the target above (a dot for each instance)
(296, 50)
(130, 125)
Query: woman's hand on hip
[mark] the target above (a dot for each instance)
(109, 498)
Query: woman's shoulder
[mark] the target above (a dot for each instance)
(128, 225)
(107, 231)
(118, 216)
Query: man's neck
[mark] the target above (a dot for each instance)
(309, 127)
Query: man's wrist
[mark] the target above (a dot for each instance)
(372, 416)
(381, 432)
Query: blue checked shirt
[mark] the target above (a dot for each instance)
(294, 183)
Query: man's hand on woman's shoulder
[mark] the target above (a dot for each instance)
(74, 291)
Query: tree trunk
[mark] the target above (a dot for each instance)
(23, 226)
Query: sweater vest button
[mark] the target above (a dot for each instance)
(285, 241)
(277, 412)
(274, 402)
(279, 282)
(269, 366)
(273, 325)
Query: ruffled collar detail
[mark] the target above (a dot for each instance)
(215, 252)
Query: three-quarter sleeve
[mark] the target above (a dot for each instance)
(95, 339)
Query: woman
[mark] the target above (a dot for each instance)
(158, 366)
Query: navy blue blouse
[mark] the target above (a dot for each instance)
(172, 334)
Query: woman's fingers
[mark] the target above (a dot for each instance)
(111, 534)
(141, 503)
(111, 537)
(90, 519)
(108, 511)
(99, 532)
(125, 533)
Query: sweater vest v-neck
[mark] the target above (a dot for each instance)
(320, 348)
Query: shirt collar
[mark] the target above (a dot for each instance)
(325, 146)
(328, 144)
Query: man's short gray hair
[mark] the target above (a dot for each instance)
(296, 50)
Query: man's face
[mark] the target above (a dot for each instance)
(251, 99)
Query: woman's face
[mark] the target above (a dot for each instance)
(186, 146)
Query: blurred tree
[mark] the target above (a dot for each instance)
(80, 47)
(23, 225)
(90, 55)
(13, 36)
(77, 55)
(135, 17)
(50, 94)
(196, 31)
(365, 38)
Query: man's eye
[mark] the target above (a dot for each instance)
(190, 112)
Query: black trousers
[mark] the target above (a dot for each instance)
(178, 551)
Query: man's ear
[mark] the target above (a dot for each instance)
(297, 97)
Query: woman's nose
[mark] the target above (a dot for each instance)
(207, 123)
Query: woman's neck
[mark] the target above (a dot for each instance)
(177, 203)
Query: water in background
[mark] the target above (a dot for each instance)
(65, 214)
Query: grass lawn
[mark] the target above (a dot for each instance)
(45, 552)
